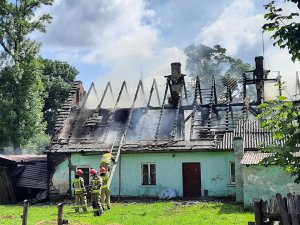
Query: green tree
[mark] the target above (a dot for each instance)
(286, 29)
(205, 62)
(283, 118)
(58, 79)
(21, 87)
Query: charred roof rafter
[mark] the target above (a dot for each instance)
(107, 87)
(92, 87)
(112, 112)
(153, 87)
(161, 111)
(197, 93)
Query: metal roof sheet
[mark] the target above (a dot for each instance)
(253, 158)
(24, 157)
(35, 171)
(34, 176)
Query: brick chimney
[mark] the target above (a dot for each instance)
(176, 82)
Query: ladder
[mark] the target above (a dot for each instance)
(120, 138)
(115, 151)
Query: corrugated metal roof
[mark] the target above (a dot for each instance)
(34, 176)
(90, 130)
(253, 158)
(254, 136)
(24, 158)
(35, 170)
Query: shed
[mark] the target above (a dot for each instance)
(25, 177)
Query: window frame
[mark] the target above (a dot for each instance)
(149, 173)
(232, 168)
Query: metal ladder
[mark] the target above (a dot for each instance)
(120, 138)
(115, 151)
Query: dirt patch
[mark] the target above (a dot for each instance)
(9, 217)
(46, 222)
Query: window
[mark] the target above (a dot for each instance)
(148, 174)
(86, 174)
(232, 172)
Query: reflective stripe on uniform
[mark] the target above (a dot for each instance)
(78, 185)
(96, 185)
(104, 181)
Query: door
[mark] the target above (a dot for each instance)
(191, 177)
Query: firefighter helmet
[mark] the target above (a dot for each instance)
(102, 170)
(79, 172)
(93, 172)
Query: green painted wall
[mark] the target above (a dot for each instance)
(214, 172)
(265, 182)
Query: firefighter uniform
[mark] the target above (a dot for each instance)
(105, 192)
(106, 160)
(80, 194)
(95, 194)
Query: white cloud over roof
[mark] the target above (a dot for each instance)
(131, 36)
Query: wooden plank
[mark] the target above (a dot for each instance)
(297, 203)
(60, 214)
(25, 212)
(265, 206)
(272, 216)
(258, 212)
(292, 209)
(276, 206)
(271, 205)
(282, 209)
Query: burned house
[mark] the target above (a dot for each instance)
(188, 140)
(23, 177)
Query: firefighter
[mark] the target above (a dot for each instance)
(95, 192)
(105, 192)
(79, 191)
(106, 160)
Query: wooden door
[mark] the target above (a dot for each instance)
(191, 177)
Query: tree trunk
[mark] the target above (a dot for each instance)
(17, 148)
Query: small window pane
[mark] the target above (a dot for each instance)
(145, 174)
(152, 174)
(232, 172)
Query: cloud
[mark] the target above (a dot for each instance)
(238, 29)
(116, 34)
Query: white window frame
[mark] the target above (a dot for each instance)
(231, 163)
(149, 173)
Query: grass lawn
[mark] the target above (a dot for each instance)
(135, 213)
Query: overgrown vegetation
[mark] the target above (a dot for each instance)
(283, 118)
(21, 87)
(31, 88)
(58, 78)
(285, 26)
(139, 213)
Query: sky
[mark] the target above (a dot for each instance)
(120, 40)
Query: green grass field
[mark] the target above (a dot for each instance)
(134, 213)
